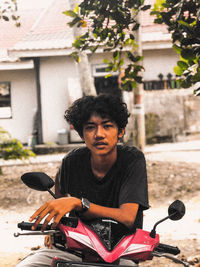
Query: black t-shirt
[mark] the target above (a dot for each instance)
(125, 182)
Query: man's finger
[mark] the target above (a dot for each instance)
(47, 220)
(37, 213)
(40, 217)
(57, 219)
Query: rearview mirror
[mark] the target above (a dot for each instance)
(176, 210)
(37, 181)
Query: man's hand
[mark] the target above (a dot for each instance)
(55, 209)
(48, 242)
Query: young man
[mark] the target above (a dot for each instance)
(102, 179)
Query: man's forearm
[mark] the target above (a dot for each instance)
(126, 214)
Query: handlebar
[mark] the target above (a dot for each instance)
(69, 221)
(27, 226)
(72, 222)
(163, 248)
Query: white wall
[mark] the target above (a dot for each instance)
(23, 103)
(155, 62)
(55, 74)
(159, 61)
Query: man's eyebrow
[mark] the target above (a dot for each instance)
(106, 121)
(93, 123)
(89, 123)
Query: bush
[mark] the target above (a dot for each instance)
(11, 148)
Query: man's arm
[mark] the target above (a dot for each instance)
(57, 208)
(125, 214)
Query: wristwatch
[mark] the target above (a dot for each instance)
(85, 204)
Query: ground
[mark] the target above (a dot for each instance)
(167, 181)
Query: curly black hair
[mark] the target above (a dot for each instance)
(105, 105)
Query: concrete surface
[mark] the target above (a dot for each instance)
(181, 151)
(177, 152)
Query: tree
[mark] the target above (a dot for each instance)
(8, 10)
(110, 25)
(182, 18)
(86, 80)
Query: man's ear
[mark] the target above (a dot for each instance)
(121, 133)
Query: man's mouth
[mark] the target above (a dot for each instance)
(100, 144)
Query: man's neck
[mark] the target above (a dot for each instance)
(102, 164)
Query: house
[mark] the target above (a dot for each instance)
(38, 78)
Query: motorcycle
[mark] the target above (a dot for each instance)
(103, 241)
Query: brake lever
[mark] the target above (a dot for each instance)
(37, 233)
(173, 258)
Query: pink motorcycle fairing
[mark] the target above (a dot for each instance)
(137, 246)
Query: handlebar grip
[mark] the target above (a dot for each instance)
(27, 226)
(167, 249)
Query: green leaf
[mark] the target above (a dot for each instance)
(146, 7)
(136, 27)
(158, 4)
(166, 18)
(70, 13)
(196, 77)
(138, 79)
(157, 13)
(185, 84)
(116, 55)
(188, 54)
(108, 75)
(5, 18)
(94, 48)
(177, 48)
(74, 21)
(132, 37)
(178, 71)
(76, 56)
(106, 60)
(76, 8)
(131, 56)
(182, 22)
(182, 64)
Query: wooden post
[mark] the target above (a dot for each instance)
(138, 109)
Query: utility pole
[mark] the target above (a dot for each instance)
(86, 79)
(138, 105)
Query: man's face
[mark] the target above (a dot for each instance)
(101, 135)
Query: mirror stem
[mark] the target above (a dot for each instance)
(52, 193)
(153, 231)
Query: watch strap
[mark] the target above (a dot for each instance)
(85, 203)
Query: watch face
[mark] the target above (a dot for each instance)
(85, 204)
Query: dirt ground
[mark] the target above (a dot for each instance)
(167, 181)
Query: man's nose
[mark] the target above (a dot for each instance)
(100, 132)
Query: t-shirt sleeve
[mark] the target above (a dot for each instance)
(134, 188)
(62, 177)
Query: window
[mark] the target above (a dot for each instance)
(5, 100)
(105, 85)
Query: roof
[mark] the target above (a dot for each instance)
(46, 29)
(10, 34)
(49, 31)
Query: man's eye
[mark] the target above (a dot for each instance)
(89, 127)
(107, 126)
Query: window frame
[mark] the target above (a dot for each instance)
(6, 111)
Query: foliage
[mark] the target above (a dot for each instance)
(112, 26)
(12, 148)
(8, 10)
(182, 18)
